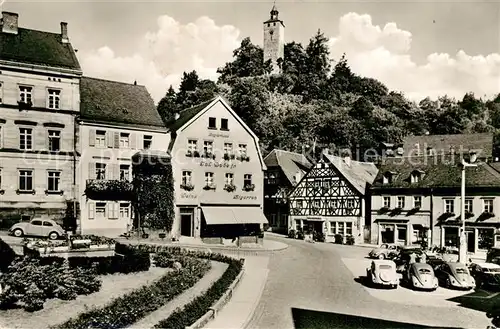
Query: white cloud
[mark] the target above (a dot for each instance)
(165, 54)
(372, 51)
(383, 53)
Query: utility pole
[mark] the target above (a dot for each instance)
(462, 255)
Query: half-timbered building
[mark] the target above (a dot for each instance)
(284, 170)
(331, 198)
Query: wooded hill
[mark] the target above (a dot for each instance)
(317, 101)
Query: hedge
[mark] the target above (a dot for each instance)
(127, 260)
(130, 308)
(7, 255)
(185, 317)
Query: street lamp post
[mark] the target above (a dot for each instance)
(462, 255)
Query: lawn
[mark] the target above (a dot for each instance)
(56, 311)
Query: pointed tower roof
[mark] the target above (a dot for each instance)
(274, 15)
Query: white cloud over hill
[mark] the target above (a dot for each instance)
(373, 51)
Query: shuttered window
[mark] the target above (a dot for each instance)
(113, 210)
(92, 135)
(91, 208)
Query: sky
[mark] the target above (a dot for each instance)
(420, 48)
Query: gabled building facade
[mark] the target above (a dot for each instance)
(39, 104)
(219, 172)
(416, 199)
(332, 198)
(117, 121)
(284, 170)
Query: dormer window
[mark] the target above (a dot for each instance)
(388, 177)
(416, 176)
(430, 151)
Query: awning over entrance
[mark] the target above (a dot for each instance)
(233, 215)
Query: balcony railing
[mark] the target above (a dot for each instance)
(111, 190)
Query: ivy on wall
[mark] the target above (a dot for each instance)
(153, 187)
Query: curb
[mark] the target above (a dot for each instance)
(218, 305)
(254, 306)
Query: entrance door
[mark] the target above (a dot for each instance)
(471, 241)
(187, 224)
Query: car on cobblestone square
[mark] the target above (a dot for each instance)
(454, 275)
(385, 251)
(421, 276)
(383, 272)
(487, 275)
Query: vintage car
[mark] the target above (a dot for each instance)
(38, 227)
(384, 251)
(454, 275)
(493, 255)
(403, 256)
(383, 272)
(421, 276)
(487, 275)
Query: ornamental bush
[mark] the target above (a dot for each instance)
(7, 255)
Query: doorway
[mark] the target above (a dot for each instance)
(471, 241)
(187, 224)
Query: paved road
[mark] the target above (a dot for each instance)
(309, 286)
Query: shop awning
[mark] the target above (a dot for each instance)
(233, 215)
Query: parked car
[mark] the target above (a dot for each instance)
(421, 276)
(454, 275)
(38, 227)
(403, 256)
(487, 275)
(384, 251)
(493, 255)
(383, 272)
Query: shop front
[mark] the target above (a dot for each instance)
(479, 238)
(402, 232)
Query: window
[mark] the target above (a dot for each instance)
(54, 140)
(451, 237)
(333, 227)
(387, 202)
(25, 94)
(124, 140)
(348, 228)
(299, 203)
(350, 204)
(242, 149)
(124, 210)
(100, 210)
(147, 141)
(316, 204)
(53, 179)
(25, 180)
(415, 177)
(47, 224)
(417, 202)
(54, 96)
(100, 138)
(247, 179)
(228, 148)
(212, 123)
(209, 178)
(488, 205)
(125, 172)
(341, 228)
(208, 147)
(229, 179)
(186, 177)
(25, 138)
(401, 202)
(1, 92)
(485, 238)
(449, 206)
(192, 145)
(100, 171)
(223, 124)
(468, 205)
(36, 222)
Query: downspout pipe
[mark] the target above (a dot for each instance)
(431, 238)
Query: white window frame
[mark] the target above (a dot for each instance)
(386, 201)
(25, 94)
(55, 176)
(187, 176)
(100, 139)
(98, 206)
(209, 178)
(229, 178)
(247, 179)
(401, 202)
(147, 139)
(242, 149)
(449, 204)
(488, 205)
(54, 134)
(126, 172)
(100, 168)
(192, 145)
(469, 205)
(124, 141)
(27, 132)
(228, 148)
(124, 210)
(28, 174)
(419, 203)
(53, 98)
(208, 147)
(414, 177)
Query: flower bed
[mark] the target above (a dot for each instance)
(28, 284)
(76, 243)
(128, 309)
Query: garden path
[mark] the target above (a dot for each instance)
(56, 311)
(183, 299)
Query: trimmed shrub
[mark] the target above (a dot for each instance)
(7, 255)
(185, 317)
(126, 310)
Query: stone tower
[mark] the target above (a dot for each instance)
(274, 40)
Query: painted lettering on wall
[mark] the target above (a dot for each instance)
(245, 197)
(218, 135)
(188, 196)
(214, 164)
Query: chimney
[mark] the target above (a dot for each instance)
(64, 32)
(9, 22)
(177, 116)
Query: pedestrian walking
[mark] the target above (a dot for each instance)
(413, 258)
(423, 258)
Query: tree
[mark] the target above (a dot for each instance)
(167, 106)
(342, 76)
(318, 56)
